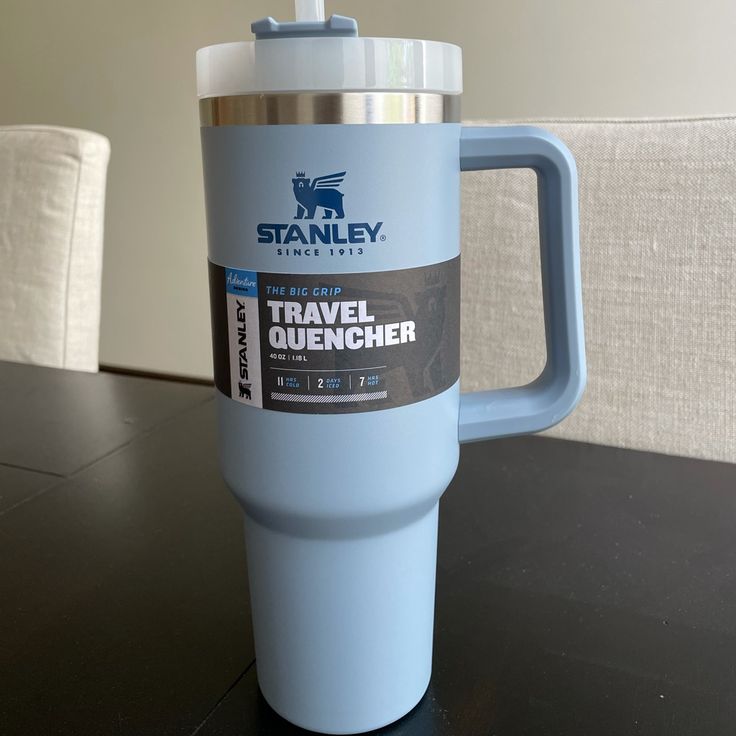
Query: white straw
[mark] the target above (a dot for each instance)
(309, 10)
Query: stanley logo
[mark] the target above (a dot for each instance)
(321, 194)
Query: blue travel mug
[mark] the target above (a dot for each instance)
(332, 179)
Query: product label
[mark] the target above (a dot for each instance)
(337, 343)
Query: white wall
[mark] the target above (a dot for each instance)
(126, 69)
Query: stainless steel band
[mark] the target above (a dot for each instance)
(344, 108)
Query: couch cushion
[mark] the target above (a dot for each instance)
(52, 189)
(658, 250)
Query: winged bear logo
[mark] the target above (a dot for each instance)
(321, 192)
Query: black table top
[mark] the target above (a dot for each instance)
(581, 589)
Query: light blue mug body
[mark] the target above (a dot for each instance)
(341, 508)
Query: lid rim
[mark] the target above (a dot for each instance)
(288, 39)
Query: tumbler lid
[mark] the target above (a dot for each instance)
(312, 54)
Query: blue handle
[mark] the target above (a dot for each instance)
(558, 388)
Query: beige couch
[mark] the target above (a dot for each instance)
(658, 248)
